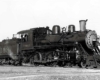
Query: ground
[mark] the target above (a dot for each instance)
(47, 73)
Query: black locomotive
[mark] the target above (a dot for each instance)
(42, 46)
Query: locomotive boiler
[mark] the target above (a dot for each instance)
(42, 46)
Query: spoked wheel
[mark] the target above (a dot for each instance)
(83, 64)
(51, 59)
(37, 59)
(61, 63)
(16, 63)
(53, 64)
(82, 56)
(32, 61)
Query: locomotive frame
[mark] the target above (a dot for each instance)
(42, 46)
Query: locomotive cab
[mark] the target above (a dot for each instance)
(33, 37)
(26, 39)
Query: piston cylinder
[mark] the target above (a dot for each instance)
(82, 25)
(56, 29)
(71, 28)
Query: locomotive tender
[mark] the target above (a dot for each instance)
(52, 47)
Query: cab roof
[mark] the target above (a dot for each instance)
(23, 31)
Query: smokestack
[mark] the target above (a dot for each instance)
(83, 25)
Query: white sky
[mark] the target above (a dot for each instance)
(16, 15)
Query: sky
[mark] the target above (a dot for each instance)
(17, 15)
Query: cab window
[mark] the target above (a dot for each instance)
(24, 37)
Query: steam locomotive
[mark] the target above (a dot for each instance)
(42, 46)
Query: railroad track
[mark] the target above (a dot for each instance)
(47, 73)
